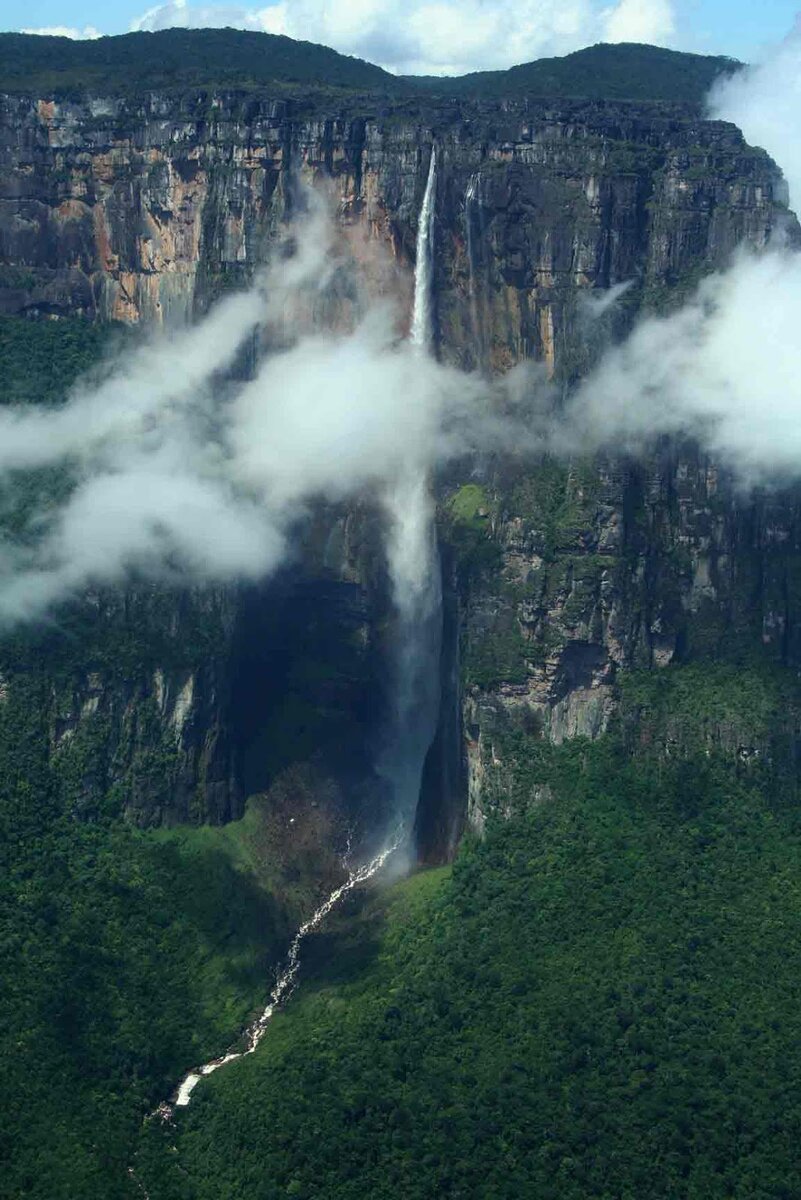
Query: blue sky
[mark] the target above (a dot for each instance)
(442, 35)
(738, 27)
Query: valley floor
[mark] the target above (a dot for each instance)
(600, 999)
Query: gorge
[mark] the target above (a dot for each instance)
(414, 575)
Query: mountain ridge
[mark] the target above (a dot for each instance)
(224, 58)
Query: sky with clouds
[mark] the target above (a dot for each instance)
(440, 36)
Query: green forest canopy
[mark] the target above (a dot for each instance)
(603, 72)
(599, 1001)
(230, 58)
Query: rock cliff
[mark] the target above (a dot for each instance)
(557, 576)
(142, 210)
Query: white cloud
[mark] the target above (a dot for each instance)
(437, 36)
(178, 475)
(67, 31)
(765, 101)
(724, 369)
(649, 21)
(178, 14)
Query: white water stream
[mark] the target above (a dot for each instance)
(283, 987)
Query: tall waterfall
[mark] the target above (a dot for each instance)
(416, 591)
(421, 332)
(413, 562)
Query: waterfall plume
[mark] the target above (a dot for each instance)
(414, 571)
(416, 594)
(422, 333)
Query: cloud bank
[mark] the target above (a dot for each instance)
(168, 469)
(442, 37)
(181, 476)
(765, 101)
(725, 369)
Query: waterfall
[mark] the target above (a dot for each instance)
(416, 593)
(421, 332)
(414, 570)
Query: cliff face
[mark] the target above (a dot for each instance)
(141, 210)
(175, 706)
(145, 210)
(611, 567)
